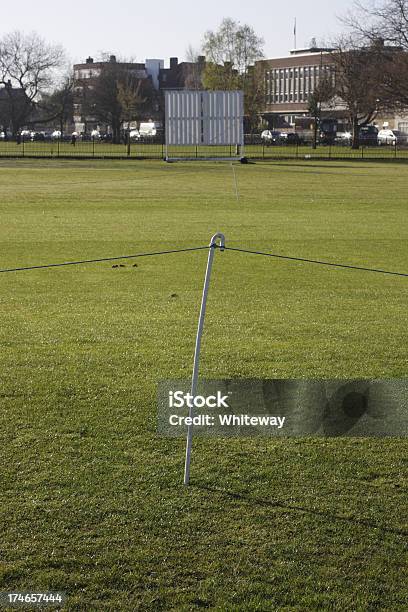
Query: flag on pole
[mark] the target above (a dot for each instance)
(294, 34)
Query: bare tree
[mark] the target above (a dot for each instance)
(323, 94)
(59, 104)
(394, 91)
(194, 70)
(384, 25)
(358, 82)
(254, 98)
(117, 96)
(386, 20)
(135, 96)
(27, 64)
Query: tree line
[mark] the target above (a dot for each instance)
(369, 74)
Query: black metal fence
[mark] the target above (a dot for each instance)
(157, 150)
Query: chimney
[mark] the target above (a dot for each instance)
(112, 58)
(89, 60)
(173, 63)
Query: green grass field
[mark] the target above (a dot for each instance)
(92, 500)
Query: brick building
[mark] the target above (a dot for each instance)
(86, 74)
(290, 80)
(183, 75)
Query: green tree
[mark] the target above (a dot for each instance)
(231, 53)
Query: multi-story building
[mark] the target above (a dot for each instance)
(183, 75)
(86, 74)
(290, 80)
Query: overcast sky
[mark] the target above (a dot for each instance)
(160, 29)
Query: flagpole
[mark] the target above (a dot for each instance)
(294, 35)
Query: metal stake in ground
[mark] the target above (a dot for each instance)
(213, 245)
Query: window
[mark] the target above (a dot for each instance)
(403, 126)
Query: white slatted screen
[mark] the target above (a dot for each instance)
(204, 118)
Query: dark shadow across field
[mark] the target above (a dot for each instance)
(247, 499)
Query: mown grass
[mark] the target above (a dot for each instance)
(92, 500)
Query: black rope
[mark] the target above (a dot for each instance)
(85, 261)
(315, 261)
(201, 248)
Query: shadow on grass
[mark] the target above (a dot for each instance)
(280, 504)
(292, 165)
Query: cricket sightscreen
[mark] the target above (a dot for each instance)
(204, 118)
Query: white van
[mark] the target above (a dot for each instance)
(148, 129)
(392, 137)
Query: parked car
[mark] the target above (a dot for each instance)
(402, 137)
(38, 136)
(272, 137)
(368, 135)
(392, 137)
(56, 135)
(134, 135)
(343, 138)
(292, 138)
(149, 130)
(106, 137)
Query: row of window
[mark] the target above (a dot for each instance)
(293, 84)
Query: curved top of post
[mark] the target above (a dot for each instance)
(218, 237)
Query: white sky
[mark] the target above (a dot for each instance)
(164, 28)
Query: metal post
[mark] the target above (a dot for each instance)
(212, 246)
